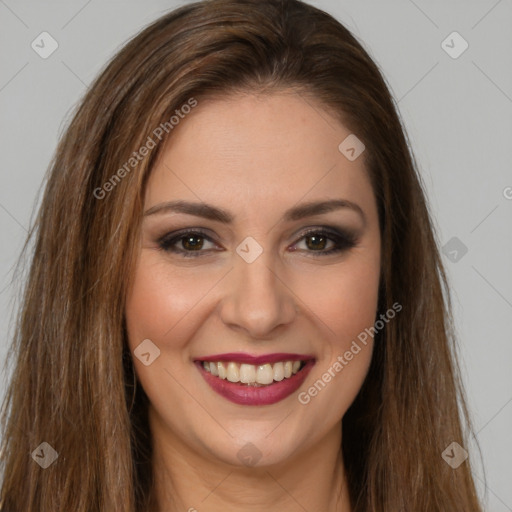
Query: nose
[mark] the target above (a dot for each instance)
(257, 300)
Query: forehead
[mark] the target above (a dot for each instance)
(248, 150)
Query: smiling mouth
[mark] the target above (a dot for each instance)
(246, 379)
(253, 375)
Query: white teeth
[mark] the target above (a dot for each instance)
(247, 373)
(213, 369)
(265, 374)
(261, 375)
(278, 372)
(233, 372)
(221, 370)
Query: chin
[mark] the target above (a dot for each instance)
(253, 449)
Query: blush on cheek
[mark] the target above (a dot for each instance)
(346, 305)
(351, 319)
(160, 300)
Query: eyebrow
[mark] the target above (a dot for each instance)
(210, 212)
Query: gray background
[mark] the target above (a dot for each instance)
(457, 113)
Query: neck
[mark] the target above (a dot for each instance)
(185, 480)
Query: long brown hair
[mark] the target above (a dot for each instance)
(73, 382)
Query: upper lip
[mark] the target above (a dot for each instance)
(240, 357)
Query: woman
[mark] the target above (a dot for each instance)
(236, 298)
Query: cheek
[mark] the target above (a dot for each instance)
(159, 307)
(161, 299)
(345, 306)
(354, 303)
(342, 298)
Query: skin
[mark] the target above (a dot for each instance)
(255, 156)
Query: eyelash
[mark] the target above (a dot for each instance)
(342, 240)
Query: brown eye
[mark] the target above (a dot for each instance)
(187, 243)
(192, 242)
(326, 241)
(316, 242)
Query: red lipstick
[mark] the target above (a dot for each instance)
(246, 394)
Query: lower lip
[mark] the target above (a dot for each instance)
(243, 394)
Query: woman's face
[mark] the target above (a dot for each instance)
(260, 244)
